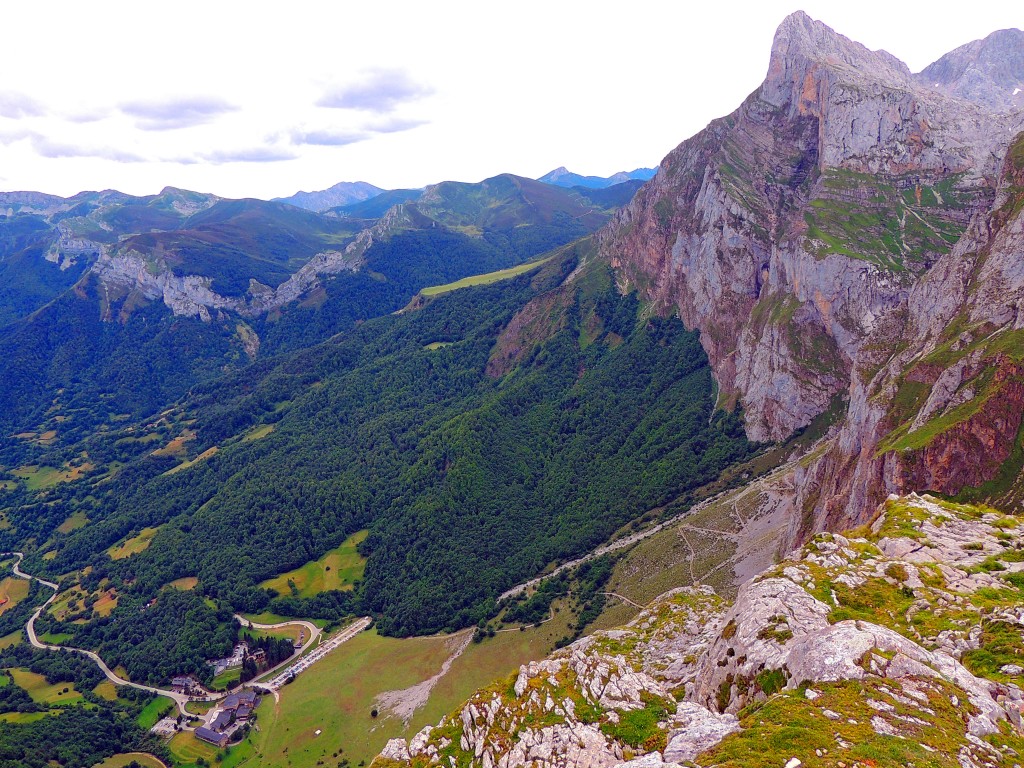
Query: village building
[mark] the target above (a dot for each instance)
(185, 684)
(212, 737)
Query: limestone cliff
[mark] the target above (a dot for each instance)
(849, 234)
(898, 643)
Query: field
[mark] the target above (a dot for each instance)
(185, 583)
(106, 690)
(12, 591)
(336, 695)
(187, 749)
(338, 569)
(134, 545)
(226, 679)
(199, 707)
(272, 618)
(7, 641)
(76, 521)
(22, 717)
(176, 447)
(258, 433)
(485, 279)
(37, 477)
(123, 760)
(42, 691)
(191, 462)
(153, 711)
(291, 631)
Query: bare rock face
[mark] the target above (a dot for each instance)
(853, 232)
(193, 295)
(989, 72)
(786, 231)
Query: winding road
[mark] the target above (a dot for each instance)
(180, 699)
(30, 630)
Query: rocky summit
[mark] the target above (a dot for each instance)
(847, 239)
(897, 643)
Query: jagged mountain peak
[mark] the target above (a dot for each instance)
(989, 71)
(342, 193)
(801, 39)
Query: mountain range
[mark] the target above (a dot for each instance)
(552, 400)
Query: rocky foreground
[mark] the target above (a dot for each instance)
(897, 644)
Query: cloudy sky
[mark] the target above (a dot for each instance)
(263, 99)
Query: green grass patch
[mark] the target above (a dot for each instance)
(639, 727)
(226, 679)
(55, 638)
(186, 748)
(138, 543)
(790, 726)
(106, 690)
(73, 523)
(184, 584)
(337, 694)
(37, 478)
(21, 718)
(152, 712)
(338, 569)
(12, 591)
(125, 759)
(258, 433)
(42, 691)
(14, 638)
(199, 707)
(485, 279)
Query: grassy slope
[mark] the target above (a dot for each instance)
(42, 691)
(337, 695)
(485, 279)
(338, 569)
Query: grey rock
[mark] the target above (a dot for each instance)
(702, 730)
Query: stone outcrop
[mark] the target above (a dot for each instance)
(193, 296)
(871, 635)
(877, 633)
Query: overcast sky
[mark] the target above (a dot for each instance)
(263, 99)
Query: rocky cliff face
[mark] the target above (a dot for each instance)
(130, 272)
(814, 234)
(897, 643)
(937, 396)
(989, 71)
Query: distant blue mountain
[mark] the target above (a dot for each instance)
(344, 193)
(562, 177)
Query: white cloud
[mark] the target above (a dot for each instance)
(376, 90)
(410, 93)
(17, 105)
(174, 113)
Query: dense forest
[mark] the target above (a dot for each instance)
(174, 633)
(469, 482)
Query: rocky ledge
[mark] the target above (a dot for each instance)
(899, 643)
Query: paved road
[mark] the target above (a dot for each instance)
(306, 661)
(312, 632)
(30, 629)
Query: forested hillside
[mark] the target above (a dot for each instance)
(470, 476)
